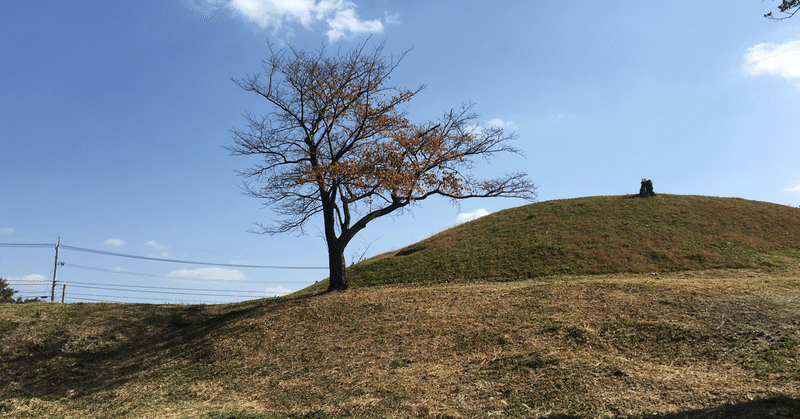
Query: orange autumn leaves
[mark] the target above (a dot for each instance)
(367, 147)
(338, 142)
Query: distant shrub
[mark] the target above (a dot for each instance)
(6, 293)
(646, 189)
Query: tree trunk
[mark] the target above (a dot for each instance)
(338, 269)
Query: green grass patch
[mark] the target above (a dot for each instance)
(597, 235)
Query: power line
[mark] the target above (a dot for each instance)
(182, 278)
(83, 297)
(149, 287)
(29, 283)
(247, 293)
(26, 245)
(230, 265)
(168, 292)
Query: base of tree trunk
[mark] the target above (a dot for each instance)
(336, 286)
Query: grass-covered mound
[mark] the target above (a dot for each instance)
(597, 235)
(696, 339)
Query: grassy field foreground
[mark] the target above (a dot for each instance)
(584, 346)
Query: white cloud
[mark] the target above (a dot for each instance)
(276, 291)
(499, 123)
(31, 278)
(795, 188)
(777, 59)
(152, 243)
(340, 15)
(345, 23)
(6, 231)
(210, 274)
(469, 216)
(392, 19)
(115, 242)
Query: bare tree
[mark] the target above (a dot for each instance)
(336, 143)
(787, 7)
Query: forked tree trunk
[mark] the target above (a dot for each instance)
(338, 269)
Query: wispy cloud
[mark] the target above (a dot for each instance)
(793, 188)
(340, 16)
(209, 274)
(464, 217)
(114, 242)
(6, 231)
(469, 216)
(497, 122)
(393, 19)
(345, 24)
(276, 290)
(31, 278)
(777, 59)
(155, 245)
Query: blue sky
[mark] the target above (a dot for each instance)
(116, 114)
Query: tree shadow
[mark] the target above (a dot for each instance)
(57, 364)
(779, 407)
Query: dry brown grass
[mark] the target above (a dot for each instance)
(674, 305)
(594, 346)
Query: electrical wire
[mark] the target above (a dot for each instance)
(182, 278)
(230, 265)
(31, 283)
(123, 302)
(181, 293)
(26, 245)
(152, 289)
(73, 283)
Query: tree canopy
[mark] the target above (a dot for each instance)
(337, 142)
(6, 293)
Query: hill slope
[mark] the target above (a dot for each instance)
(704, 344)
(595, 235)
(712, 342)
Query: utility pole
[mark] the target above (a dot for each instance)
(63, 291)
(55, 270)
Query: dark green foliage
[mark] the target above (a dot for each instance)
(646, 190)
(6, 293)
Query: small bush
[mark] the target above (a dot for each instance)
(646, 189)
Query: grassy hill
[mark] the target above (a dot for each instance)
(596, 235)
(700, 319)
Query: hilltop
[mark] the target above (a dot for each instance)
(597, 235)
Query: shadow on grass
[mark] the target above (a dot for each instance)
(780, 407)
(776, 408)
(54, 358)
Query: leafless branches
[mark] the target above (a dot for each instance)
(337, 143)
